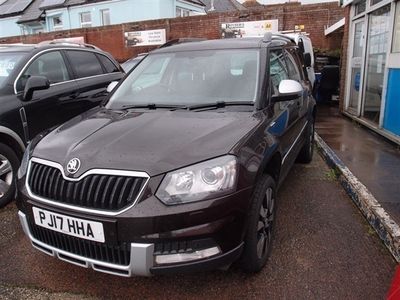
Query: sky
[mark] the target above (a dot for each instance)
(282, 1)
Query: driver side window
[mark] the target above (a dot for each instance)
(277, 70)
(51, 65)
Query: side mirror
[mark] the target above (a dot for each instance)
(111, 86)
(34, 83)
(307, 60)
(288, 90)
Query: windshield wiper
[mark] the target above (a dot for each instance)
(153, 106)
(220, 104)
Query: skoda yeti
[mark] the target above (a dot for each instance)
(178, 170)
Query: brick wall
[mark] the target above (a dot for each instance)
(314, 17)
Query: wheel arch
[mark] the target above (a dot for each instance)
(273, 166)
(12, 140)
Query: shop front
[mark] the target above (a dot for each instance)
(372, 94)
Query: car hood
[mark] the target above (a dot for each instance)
(152, 141)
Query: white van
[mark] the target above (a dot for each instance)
(305, 44)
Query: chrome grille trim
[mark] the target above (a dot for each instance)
(87, 173)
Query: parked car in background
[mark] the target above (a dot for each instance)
(132, 62)
(42, 86)
(177, 171)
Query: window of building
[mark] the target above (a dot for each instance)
(86, 19)
(182, 12)
(373, 2)
(57, 23)
(105, 17)
(360, 7)
(396, 30)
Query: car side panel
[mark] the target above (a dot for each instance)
(51, 107)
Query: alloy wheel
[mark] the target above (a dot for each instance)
(6, 175)
(265, 222)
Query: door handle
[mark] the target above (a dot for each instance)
(74, 95)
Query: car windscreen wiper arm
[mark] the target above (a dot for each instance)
(153, 106)
(220, 104)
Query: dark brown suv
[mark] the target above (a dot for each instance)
(179, 170)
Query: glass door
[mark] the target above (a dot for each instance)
(378, 46)
(356, 67)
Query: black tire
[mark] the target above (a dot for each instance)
(306, 153)
(8, 161)
(260, 230)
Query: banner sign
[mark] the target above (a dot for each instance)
(145, 38)
(248, 29)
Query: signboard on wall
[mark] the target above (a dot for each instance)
(145, 38)
(248, 29)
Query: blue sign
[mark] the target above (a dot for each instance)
(357, 80)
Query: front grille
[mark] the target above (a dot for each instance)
(118, 254)
(98, 191)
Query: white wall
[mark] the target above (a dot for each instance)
(283, 1)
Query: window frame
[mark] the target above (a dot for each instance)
(82, 23)
(57, 27)
(73, 69)
(34, 58)
(182, 12)
(268, 69)
(98, 55)
(102, 11)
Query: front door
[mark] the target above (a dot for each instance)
(356, 63)
(45, 110)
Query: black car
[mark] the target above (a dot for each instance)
(132, 62)
(42, 86)
(179, 170)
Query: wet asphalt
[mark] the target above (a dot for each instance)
(323, 249)
(369, 156)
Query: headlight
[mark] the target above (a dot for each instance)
(215, 177)
(24, 162)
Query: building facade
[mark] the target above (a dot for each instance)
(54, 15)
(372, 84)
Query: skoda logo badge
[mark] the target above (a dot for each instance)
(73, 165)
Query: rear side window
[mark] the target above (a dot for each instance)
(107, 63)
(50, 64)
(85, 63)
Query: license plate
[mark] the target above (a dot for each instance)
(84, 229)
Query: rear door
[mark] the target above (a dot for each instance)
(93, 72)
(46, 109)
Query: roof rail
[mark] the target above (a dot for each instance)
(16, 45)
(283, 37)
(67, 43)
(181, 41)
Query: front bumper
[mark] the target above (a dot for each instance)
(141, 262)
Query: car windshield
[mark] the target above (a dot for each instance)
(191, 78)
(8, 61)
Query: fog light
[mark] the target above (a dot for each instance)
(184, 257)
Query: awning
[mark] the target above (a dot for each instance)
(334, 27)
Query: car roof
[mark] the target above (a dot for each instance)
(45, 46)
(238, 43)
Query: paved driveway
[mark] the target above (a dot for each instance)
(323, 249)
